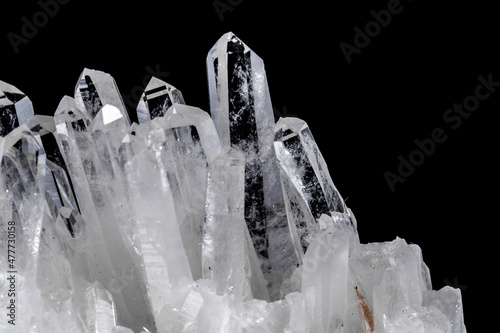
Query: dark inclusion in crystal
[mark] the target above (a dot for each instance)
(90, 96)
(243, 133)
(317, 201)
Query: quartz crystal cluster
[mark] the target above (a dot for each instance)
(191, 221)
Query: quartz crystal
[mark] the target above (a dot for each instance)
(191, 221)
(242, 112)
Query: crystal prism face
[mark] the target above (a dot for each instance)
(190, 222)
(296, 143)
(157, 98)
(313, 203)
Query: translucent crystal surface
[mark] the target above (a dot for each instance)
(190, 222)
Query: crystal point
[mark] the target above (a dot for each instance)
(96, 89)
(225, 231)
(15, 108)
(157, 98)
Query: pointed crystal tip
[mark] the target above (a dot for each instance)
(292, 124)
(95, 89)
(15, 108)
(9, 94)
(157, 98)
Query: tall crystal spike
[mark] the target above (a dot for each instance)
(156, 99)
(15, 108)
(241, 108)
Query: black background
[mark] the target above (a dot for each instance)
(363, 114)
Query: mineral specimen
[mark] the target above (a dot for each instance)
(190, 221)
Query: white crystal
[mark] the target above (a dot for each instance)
(324, 280)
(449, 301)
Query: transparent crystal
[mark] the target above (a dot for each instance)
(241, 108)
(157, 98)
